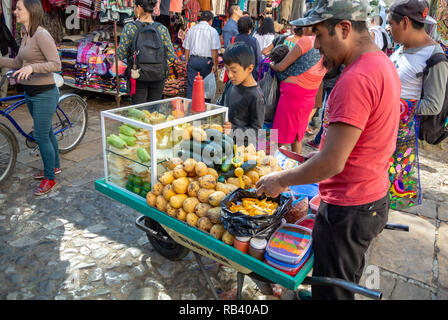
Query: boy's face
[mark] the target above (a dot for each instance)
(237, 73)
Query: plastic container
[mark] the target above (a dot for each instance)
(307, 221)
(242, 244)
(257, 248)
(290, 268)
(315, 203)
(309, 190)
(289, 243)
(198, 96)
(299, 210)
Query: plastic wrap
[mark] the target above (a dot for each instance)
(262, 226)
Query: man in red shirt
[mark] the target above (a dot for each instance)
(360, 130)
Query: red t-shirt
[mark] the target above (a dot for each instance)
(366, 96)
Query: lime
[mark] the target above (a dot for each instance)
(138, 181)
(137, 190)
(129, 186)
(147, 186)
(143, 193)
(131, 178)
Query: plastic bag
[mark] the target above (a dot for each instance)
(210, 86)
(241, 225)
(270, 89)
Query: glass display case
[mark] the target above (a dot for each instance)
(138, 139)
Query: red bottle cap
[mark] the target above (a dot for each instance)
(198, 97)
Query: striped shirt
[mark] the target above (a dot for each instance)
(201, 40)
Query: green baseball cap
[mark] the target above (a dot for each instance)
(356, 10)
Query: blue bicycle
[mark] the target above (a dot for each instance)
(69, 126)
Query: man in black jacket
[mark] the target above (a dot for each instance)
(6, 41)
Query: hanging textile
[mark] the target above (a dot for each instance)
(285, 12)
(252, 8)
(219, 7)
(404, 171)
(205, 5)
(176, 6)
(156, 11)
(84, 9)
(298, 9)
(46, 6)
(59, 3)
(192, 9)
(165, 7)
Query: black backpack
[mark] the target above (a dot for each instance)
(434, 128)
(149, 52)
(385, 41)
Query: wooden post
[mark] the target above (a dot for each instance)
(117, 97)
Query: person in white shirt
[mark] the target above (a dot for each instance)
(201, 50)
(379, 34)
(265, 34)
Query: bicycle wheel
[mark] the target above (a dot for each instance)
(70, 122)
(8, 152)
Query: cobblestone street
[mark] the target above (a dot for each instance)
(75, 243)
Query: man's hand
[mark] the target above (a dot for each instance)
(270, 185)
(23, 73)
(215, 70)
(227, 127)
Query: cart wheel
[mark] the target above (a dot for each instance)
(171, 251)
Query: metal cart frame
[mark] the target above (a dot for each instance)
(202, 243)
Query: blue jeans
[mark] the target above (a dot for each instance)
(195, 65)
(42, 107)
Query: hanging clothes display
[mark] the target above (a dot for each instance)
(285, 12)
(165, 7)
(176, 6)
(298, 10)
(84, 9)
(252, 8)
(192, 9)
(219, 7)
(205, 5)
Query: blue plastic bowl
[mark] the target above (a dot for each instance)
(308, 190)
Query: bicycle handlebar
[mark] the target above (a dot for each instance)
(7, 75)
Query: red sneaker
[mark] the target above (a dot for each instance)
(312, 144)
(44, 187)
(40, 175)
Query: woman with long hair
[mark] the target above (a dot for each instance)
(35, 63)
(265, 33)
(142, 89)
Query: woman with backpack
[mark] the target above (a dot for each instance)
(35, 63)
(148, 49)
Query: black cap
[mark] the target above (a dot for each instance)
(416, 10)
